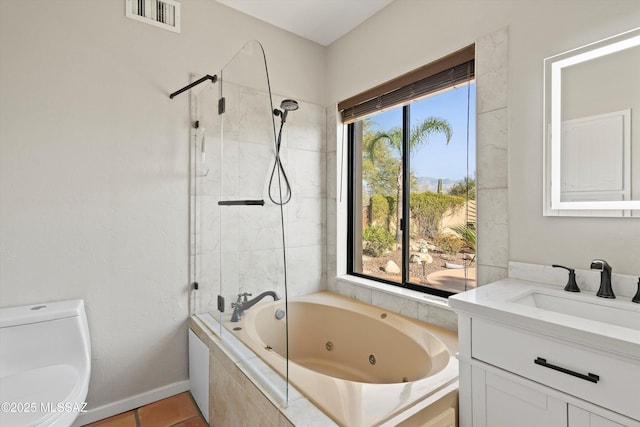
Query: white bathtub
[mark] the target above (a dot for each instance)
(362, 365)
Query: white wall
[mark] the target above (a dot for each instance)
(410, 33)
(94, 164)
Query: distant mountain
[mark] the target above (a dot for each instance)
(427, 183)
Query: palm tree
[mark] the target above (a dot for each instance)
(393, 139)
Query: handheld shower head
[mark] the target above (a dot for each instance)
(286, 105)
(289, 105)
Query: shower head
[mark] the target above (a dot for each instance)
(286, 105)
(289, 105)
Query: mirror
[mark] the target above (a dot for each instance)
(592, 129)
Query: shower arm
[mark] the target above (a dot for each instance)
(213, 78)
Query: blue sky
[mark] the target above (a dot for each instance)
(436, 159)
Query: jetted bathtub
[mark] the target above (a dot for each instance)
(362, 365)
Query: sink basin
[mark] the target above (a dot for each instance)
(586, 307)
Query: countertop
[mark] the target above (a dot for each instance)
(495, 301)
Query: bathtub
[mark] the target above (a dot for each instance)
(362, 365)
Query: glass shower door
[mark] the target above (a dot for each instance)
(240, 224)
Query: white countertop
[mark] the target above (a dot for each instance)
(496, 301)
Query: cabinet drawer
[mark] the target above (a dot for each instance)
(606, 380)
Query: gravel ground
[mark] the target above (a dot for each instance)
(375, 266)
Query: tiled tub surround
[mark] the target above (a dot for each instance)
(238, 249)
(424, 307)
(429, 393)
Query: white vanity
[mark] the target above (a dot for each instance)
(533, 355)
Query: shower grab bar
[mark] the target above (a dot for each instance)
(213, 78)
(241, 202)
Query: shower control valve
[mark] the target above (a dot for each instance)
(243, 297)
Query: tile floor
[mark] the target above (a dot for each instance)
(175, 411)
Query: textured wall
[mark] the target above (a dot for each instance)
(94, 168)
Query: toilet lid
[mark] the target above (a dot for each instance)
(34, 396)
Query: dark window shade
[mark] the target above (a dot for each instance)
(453, 69)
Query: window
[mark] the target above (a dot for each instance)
(412, 181)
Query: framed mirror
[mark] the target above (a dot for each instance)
(592, 129)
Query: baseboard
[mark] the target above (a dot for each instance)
(133, 402)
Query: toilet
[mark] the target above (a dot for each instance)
(45, 363)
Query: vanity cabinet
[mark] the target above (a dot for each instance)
(581, 418)
(515, 376)
(499, 401)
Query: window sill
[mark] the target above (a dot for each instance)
(432, 300)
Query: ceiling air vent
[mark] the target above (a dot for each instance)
(161, 13)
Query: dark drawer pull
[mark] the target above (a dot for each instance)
(589, 377)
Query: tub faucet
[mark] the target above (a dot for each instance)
(605, 290)
(244, 303)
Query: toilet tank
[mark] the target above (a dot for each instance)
(40, 335)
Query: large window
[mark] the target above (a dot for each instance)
(412, 195)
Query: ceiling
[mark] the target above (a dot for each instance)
(322, 21)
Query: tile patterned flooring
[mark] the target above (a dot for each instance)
(175, 411)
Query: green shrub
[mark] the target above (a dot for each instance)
(378, 239)
(467, 233)
(382, 209)
(428, 208)
(448, 243)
